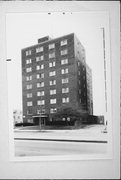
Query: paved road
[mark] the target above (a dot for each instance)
(41, 148)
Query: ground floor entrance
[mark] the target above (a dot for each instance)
(40, 120)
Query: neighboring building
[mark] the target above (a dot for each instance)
(54, 75)
(89, 90)
(17, 116)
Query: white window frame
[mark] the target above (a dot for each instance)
(29, 95)
(65, 100)
(52, 46)
(28, 78)
(53, 110)
(29, 69)
(42, 66)
(39, 49)
(64, 71)
(52, 64)
(52, 73)
(65, 90)
(65, 80)
(28, 52)
(40, 93)
(53, 101)
(37, 67)
(52, 82)
(52, 91)
(64, 42)
(51, 55)
(29, 86)
(41, 102)
(28, 61)
(64, 61)
(64, 52)
(29, 103)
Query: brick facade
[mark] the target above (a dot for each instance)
(72, 69)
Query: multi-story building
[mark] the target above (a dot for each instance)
(17, 116)
(54, 75)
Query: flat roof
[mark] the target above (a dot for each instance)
(47, 41)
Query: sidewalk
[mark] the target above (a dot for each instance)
(92, 134)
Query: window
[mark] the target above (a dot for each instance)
(64, 61)
(40, 93)
(53, 110)
(41, 102)
(28, 52)
(40, 111)
(64, 52)
(29, 103)
(41, 84)
(28, 69)
(29, 86)
(39, 58)
(78, 63)
(52, 55)
(42, 66)
(28, 61)
(79, 81)
(51, 46)
(53, 82)
(41, 75)
(65, 100)
(37, 67)
(64, 71)
(29, 95)
(65, 80)
(53, 91)
(79, 73)
(65, 90)
(29, 78)
(39, 49)
(63, 42)
(52, 73)
(52, 101)
(52, 64)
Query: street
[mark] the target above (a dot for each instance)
(41, 148)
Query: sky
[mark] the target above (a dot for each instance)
(24, 29)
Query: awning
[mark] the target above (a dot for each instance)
(40, 115)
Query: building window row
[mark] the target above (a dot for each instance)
(52, 64)
(52, 101)
(52, 82)
(51, 46)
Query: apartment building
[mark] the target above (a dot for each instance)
(54, 75)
